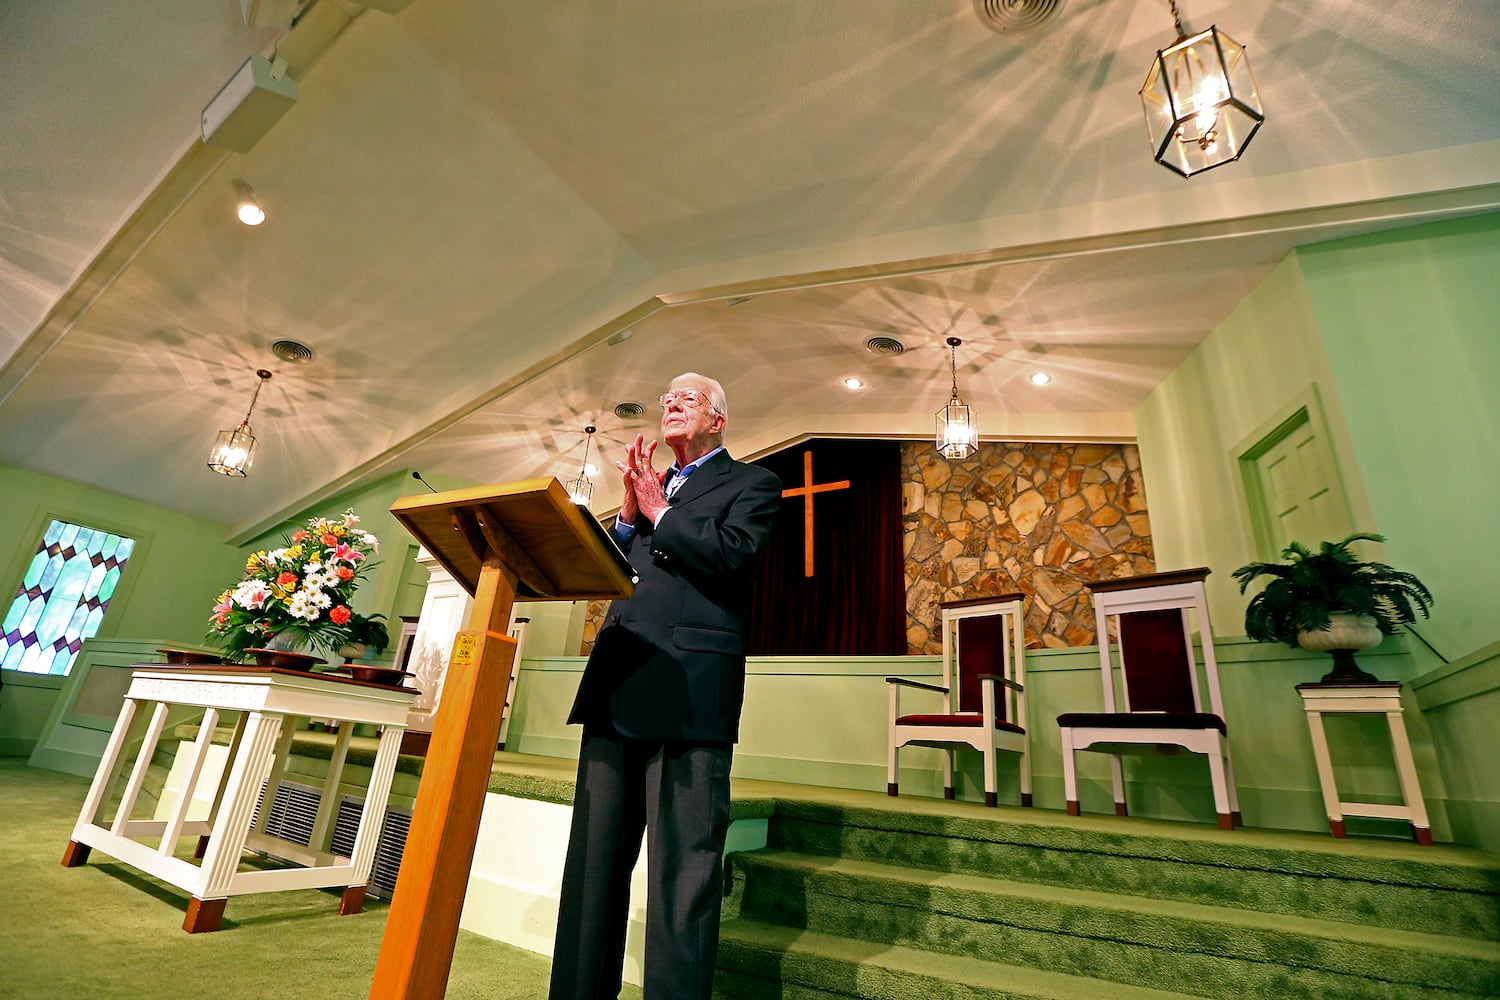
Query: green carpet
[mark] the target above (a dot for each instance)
(105, 930)
(863, 895)
(1438, 890)
(1007, 903)
(858, 895)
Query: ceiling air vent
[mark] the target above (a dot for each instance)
(292, 351)
(1011, 17)
(629, 411)
(884, 345)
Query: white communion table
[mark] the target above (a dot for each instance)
(269, 702)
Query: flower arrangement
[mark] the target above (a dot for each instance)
(301, 591)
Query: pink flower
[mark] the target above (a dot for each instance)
(340, 615)
(251, 596)
(347, 553)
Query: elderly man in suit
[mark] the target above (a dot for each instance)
(660, 706)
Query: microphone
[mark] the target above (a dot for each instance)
(418, 477)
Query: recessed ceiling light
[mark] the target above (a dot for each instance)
(1040, 378)
(854, 383)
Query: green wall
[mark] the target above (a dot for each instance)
(179, 566)
(1409, 323)
(1391, 337)
(1262, 362)
(1461, 701)
(166, 592)
(788, 733)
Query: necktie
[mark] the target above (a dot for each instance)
(675, 483)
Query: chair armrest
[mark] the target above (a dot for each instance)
(1003, 680)
(916, 684)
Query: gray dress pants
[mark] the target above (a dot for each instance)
(677, 794)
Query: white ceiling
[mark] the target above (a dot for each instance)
(470, 199)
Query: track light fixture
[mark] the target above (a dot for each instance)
(246, 207)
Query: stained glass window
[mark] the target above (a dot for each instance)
(62, 597)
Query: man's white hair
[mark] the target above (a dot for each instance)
(715, 392)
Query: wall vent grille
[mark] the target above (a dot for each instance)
(388, 849)
(296, 807)
(292, 811)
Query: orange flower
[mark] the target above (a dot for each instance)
(286, 581)
(299, 535)
(340, 615)
(328, 539)
(345, 573)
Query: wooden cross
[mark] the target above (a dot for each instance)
(806, 491)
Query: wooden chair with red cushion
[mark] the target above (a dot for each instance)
(1157, 700)
(983, 692)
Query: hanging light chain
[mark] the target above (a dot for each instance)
(953, 343)
(1177, 19)
(581, 490)
(589, 430)
(264, 377)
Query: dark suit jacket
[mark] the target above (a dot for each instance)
(669, 663)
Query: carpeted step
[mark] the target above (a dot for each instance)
(760, 961)
(1435, 890)
(165, 754)
(152, 785)
(1190, 947)
(320, 745)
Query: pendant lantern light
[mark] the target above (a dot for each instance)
(957, 437)
(234, 450)
(1202, 107)
(581, 490)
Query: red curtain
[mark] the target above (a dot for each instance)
(855, 601)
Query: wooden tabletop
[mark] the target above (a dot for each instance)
(252, 670)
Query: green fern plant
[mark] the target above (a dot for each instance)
(370, 630)
(1310, 586)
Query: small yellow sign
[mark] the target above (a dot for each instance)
(463, 649)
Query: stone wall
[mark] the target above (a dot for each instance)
(1042, 519)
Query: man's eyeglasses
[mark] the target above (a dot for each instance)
(691, 398)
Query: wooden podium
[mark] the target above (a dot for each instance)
(520, 540)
